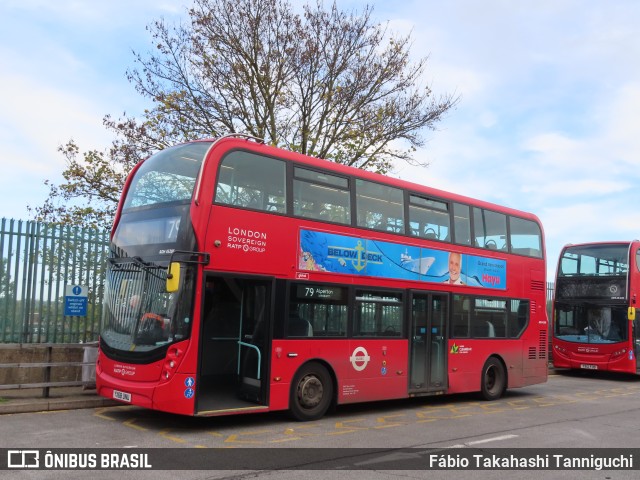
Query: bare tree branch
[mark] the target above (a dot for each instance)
(327, 83)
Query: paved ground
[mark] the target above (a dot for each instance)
(60, 398)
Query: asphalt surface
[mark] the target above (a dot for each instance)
(60, 398)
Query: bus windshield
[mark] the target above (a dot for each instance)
(139, 315)
(590, 323)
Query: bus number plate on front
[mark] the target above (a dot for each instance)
(123, 396)
(588, 366)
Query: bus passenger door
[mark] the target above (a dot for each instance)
(234, 344)
(428, 342)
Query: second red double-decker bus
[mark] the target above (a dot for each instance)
(595, 297)
(245, 278)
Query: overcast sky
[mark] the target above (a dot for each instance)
(547, 121)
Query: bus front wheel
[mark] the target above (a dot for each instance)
(494, 379)
(311, 392)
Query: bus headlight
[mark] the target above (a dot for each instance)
(560, 349)
(618, 353)
(171, 363)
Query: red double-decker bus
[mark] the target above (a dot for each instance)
(594, 309)
(245, 278)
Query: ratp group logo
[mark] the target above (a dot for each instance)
(23, 459)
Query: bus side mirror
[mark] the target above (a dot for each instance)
(631, 314)
(173, 277)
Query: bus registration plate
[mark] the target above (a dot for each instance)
(588, 366)
(123, 396)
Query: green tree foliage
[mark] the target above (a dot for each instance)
(7, 286)
(93, 180)
(7, 299)
(323, 82)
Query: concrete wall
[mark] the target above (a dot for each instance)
(25, 354)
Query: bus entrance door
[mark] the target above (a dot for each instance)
(235, 326)
(428, 342)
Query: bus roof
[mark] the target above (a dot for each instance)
(364, 174)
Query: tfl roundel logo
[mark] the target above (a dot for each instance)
(359, 359)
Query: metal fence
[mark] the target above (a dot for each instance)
(39, 263)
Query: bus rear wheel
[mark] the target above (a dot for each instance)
(311, 392)
(494, 379)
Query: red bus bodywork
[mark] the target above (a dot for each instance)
(262, 252)
(580, 303)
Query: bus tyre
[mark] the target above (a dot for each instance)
(494, 379)
(311, 392)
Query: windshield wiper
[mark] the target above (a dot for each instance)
(124, 265)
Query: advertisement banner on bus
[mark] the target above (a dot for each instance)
(329, 252)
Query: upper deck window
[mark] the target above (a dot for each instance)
(168, 176)
(461, 224)
(429, 218)
(595, 260)
(490, 229)
(526, 237)
(321, 196)
(379, 207)
(252, 181)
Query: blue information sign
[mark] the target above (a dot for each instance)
(75, 301)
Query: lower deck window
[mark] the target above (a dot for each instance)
(317, 311)
(476, 317)
(378, 314)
